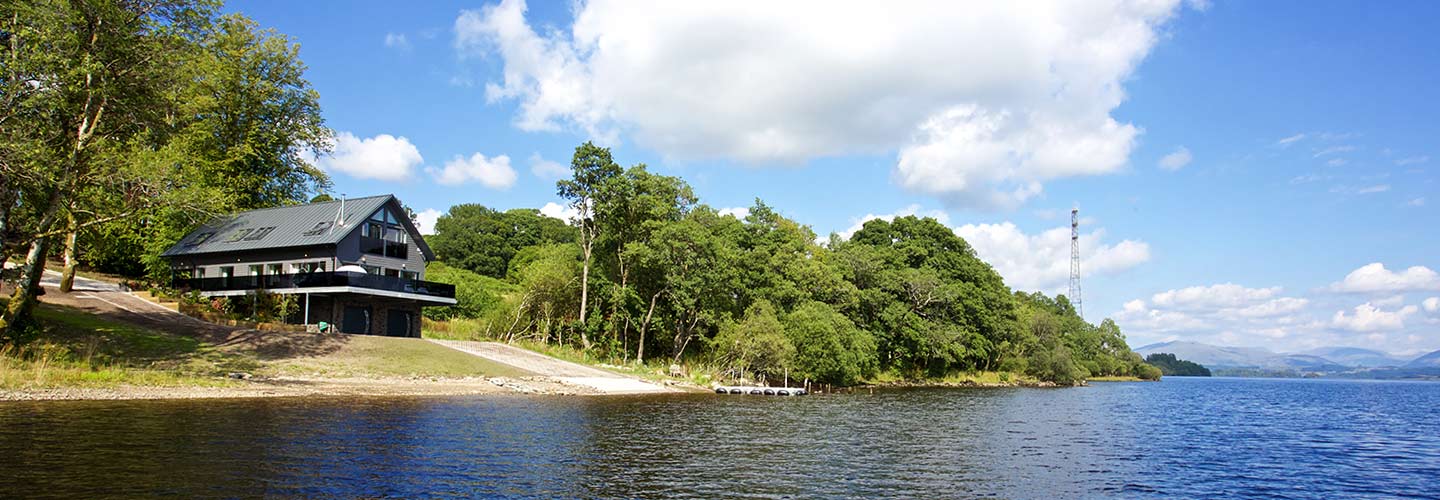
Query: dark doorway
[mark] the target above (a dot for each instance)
(356, 320)
(399, 322)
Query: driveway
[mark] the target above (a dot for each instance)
(565, 371)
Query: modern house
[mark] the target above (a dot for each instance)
(358, 264)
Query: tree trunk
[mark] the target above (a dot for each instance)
(6, 205)
(28, 287)
(17, 314)
(67, 276)
(585, 290)
(640, 350)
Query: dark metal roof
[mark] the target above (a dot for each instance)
(286, 227)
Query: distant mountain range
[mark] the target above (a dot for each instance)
(1353, 362)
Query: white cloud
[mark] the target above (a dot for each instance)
(384, 157)
(1334, 150)
(983, 102)
(1432, 304)
(1308, 178)
(1286, 142)
(1379, 188)
(1176, 160)
(1374, 278)
(1412, 160)
(739, 213)
(1417, 202)
(397, 41)
(1336, 162)
(1225, 295)
(546, 169)
(1226, 313)
(1391, 301)
(425, 220)
(1368, 318)
(494, 172)
(913, 209)
(1041, 262)
(558, 211)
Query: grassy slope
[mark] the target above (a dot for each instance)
(386, 356)
(82, 350)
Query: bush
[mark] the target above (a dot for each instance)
(476, 295)
(1056, 365)
(828, 347)
(1147, 372)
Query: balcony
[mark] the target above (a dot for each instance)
(290, 282)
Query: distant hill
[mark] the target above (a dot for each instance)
(1356, 356)
(1212, 356)
(1347, 362)
(1431, 360)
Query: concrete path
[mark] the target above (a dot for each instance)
(565, 371)
(114, 296)
(51, 279)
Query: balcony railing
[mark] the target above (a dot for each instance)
(313, 280)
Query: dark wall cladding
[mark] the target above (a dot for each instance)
(315, 280)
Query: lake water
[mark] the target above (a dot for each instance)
(1181, 438)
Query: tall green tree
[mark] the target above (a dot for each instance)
(629, 210)
(591, 168)
(89, 84)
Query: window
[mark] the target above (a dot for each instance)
(199, 239)
(410, 275)
(312, 267)
(373, 229)
(238, 235)
(390, 217)
(255, 274)
(259, 233)
(393, 273)
(200, 272)
(226, 273)
(274, 269)
(319, 228)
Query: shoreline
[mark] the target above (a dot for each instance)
(290, 386)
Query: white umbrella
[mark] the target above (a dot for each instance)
(350, 268)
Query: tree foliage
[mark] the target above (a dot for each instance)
(483, 240)
(1171, 365)
(758, 295)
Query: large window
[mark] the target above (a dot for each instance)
(383, 235)
(274, 269)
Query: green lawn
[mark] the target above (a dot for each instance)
(78, 349)
(364, 355)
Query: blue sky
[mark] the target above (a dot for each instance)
(1249, 173)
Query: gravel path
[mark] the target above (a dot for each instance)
(564, 371)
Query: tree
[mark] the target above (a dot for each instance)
(627, 214)
(483, 240)
(828, 346)
(756, 344)
(245, 124)
(591, 168)
(547, 276)
(88, 84)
